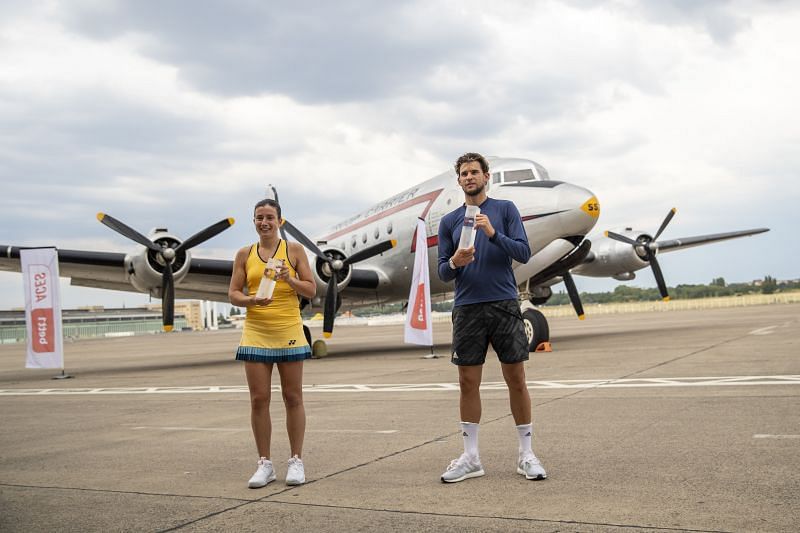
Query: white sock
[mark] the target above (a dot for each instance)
(469, 431)
(525, 433)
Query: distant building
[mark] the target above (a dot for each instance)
(97, 321)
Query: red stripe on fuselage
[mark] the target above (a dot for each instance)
(433, 240)
(429, 197)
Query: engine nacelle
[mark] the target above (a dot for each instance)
(322, 271)
(616, 259)
(145, 268)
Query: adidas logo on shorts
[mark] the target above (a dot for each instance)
(454, 356)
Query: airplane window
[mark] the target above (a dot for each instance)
(389, 227)
(353, 242)
(495, 177)
(541, 171)
(518, 175)
(364, 237)
(377, 232)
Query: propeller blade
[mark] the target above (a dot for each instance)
(204, 235)
(662, 285)
(664, 224)
(366, 253)
(330, 308)
(275, 196)
(167, 298)
(622, 238)
(305, 241)
(127, 231)
(574, 297)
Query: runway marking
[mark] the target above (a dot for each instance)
(184, 428)
(378, 431)
(768, 436)
(763, 331)
(180, 428)
(719, 381)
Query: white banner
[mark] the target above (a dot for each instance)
(42, 308)
(419, 329)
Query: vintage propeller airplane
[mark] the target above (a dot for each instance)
(368, 258)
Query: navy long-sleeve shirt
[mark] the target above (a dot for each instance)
(489, 277)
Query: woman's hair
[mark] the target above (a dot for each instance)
(270, 202)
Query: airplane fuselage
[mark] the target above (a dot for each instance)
(556, 216)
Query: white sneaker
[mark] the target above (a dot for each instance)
(530, 467)
(264, 474)
(296, 475)
(463, 468)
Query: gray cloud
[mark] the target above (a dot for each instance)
(313, 51)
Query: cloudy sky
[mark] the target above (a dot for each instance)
(179, 113)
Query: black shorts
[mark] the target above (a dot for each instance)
(498, 323)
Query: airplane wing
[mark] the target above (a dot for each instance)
(207, 279)
(619, 255)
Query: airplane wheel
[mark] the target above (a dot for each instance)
(319, 349)
(307, 333)
(536, 328)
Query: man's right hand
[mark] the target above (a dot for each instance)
(464, 256)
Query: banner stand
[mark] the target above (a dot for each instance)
(62, 375)
(431, 355)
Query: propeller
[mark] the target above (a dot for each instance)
(649, 247)
(167, 255)
(572, 291)
(275, 196)
(335, 265)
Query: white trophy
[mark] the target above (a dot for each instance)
(468, 229)
(267, 285)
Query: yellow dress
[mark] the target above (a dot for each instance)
(272, 333)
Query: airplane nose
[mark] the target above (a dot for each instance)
(581, 209)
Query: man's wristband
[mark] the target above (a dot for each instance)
(452, 264)
(493, 237)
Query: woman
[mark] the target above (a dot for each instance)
(273, 335)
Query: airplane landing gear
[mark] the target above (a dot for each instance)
(537, 330)
(318, 347)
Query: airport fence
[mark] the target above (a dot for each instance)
(744, 300)
(16, 333)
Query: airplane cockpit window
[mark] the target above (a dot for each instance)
(543, 175)
(511, 176)
(495, 177)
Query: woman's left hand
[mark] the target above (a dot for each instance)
(282, 274)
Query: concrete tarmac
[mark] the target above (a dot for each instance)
(674, 421)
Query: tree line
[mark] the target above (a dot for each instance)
(623, 293)
(717, 288)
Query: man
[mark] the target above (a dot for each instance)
(486, 311)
